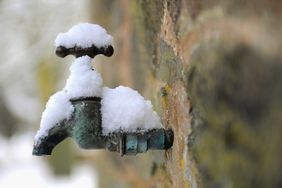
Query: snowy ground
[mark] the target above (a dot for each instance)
(18, 168)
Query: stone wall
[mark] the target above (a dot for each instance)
(213, 70)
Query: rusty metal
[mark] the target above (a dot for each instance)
(92, 51)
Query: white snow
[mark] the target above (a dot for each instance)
(122, 108)
(82, 82)
(84, 35)
(57, 109)
(125, 109)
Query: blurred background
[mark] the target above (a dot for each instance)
(212, 69)
(30, 72)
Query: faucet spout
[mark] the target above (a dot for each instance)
(85, 127)
(45, 145)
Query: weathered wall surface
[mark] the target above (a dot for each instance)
(213, 70)
(220, 69)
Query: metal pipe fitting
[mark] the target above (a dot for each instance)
(85, 127)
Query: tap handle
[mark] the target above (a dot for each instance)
(92, 51)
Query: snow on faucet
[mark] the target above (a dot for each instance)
(122, 108)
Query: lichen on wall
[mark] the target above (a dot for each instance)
(167, 66)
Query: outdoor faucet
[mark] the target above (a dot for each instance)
(79, 108)
(85, 128)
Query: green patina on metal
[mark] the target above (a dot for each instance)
(140, 142)
(85, 127)
(87, 122)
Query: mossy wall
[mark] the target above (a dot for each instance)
(213, 71)
(220, 70)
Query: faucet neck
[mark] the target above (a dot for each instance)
(87, 123)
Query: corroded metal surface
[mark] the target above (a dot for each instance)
(92, 51)
(85, 127)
